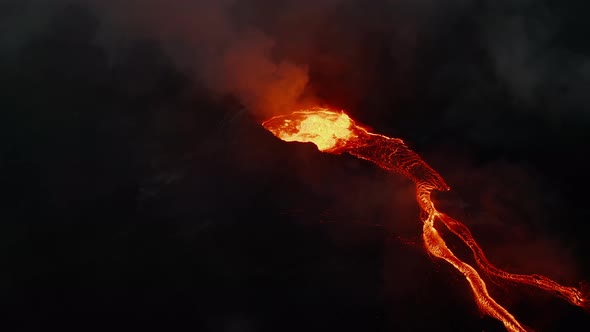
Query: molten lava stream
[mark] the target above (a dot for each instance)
(571, 294)
(335, 132)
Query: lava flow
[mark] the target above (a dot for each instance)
(335, 132)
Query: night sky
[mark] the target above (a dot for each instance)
(139, 190)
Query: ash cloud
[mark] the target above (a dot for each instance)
(274, 56)
(206, 39)
(20, 21)
(277, 55)
(532, 54)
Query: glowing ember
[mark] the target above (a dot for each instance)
(335, 132)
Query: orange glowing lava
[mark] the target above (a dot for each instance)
(335, 132)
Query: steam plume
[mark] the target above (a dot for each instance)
(205, 38)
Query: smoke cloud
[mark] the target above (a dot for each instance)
(207, 39)
(276, 55)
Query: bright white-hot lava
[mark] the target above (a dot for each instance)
(335, 132)
(322, 127)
